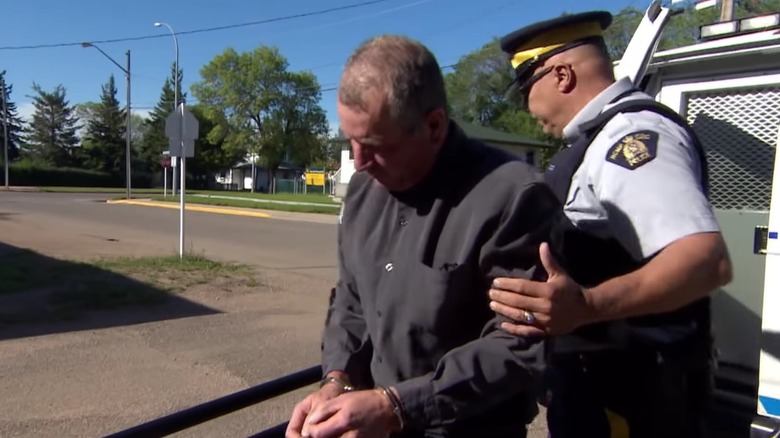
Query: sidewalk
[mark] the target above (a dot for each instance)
(235, 211)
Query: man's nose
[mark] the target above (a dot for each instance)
(363, 158)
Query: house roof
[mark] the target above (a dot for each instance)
(490, 135)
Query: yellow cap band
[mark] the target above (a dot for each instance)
(554, 39)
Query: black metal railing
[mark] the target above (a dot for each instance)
(734, 404)
(202, 413)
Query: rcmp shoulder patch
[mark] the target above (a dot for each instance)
(634, 150)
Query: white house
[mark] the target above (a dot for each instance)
(526, 148)
(239, 177)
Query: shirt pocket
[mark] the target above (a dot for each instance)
(446, 303)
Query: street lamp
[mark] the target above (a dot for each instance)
(127, 109)
(175, 66)
(175, 89)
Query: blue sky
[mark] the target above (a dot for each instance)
(451, 28)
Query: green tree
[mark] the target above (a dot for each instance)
(154, 139)
(138, 131)
(15, 126)
(619, 33)
(682, 28)
(272, 115)
(104, 138)
(210, 155)
(477, 93)
(139, 127)
(330, 156)
(51, 134)
(85, 111)
(477, 85)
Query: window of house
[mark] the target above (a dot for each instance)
(529, 157)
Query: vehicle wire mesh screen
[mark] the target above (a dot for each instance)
(739, 129)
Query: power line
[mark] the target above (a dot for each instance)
(208, 29)
(449, 28)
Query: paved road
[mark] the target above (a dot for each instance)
(92, 378)
(113, 370)
(302, 243)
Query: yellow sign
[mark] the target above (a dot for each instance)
(315, 179)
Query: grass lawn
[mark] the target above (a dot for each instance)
(317, 198)
(36, 287)
(257, 204)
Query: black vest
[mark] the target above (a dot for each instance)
(591, 260)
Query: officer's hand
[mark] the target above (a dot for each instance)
(359, 414)
(295, 428)
(557, 306)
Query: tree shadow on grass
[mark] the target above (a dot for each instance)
(43, 295)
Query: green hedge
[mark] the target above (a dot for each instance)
(23, 174)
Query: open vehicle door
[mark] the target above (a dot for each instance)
(642, 46)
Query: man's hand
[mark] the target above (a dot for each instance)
(360, 414)
(295, 428)
(557, 306)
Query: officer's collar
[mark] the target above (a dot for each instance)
(572, 132)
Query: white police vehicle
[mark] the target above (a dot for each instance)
(727, 86)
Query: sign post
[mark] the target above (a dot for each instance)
(166, 163)
(181, 127)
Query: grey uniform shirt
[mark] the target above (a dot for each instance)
(411, 307)
(639, 181)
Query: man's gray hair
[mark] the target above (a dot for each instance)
(400, 67)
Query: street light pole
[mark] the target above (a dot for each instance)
(5, 129)
(175, 90)
(126, 70)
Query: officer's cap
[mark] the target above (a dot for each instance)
(529, 46)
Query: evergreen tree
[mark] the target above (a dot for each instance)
(51, 134)
(155, 141)
(104, 139)
(14, 122)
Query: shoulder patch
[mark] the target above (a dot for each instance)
(634, 150)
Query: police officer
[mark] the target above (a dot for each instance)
(410, 346)
(632, 263)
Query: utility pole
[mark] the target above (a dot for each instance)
(726, 10)
(128, 133)
(5, 129)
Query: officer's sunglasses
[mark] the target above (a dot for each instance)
(523, 88)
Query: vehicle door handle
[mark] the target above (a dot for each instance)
(760, 239)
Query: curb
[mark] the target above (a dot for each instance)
(190, 207)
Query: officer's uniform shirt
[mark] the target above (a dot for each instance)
(411, 307)
(639, 181)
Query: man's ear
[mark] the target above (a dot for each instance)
(437, 123)
(565, 77)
